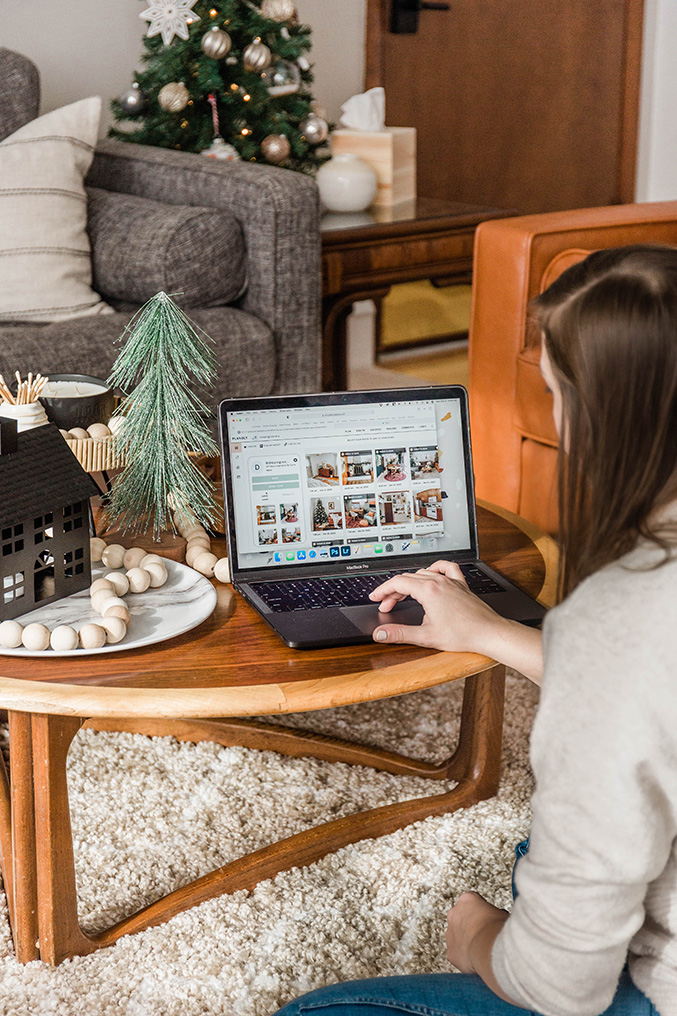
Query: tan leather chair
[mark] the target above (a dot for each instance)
(514, 438)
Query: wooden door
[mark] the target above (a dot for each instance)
(524, 104)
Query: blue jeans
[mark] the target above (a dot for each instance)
(437, 995)
(440, 994)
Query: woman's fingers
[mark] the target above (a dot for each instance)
(415, 635)
(450, 569)
(398, 587)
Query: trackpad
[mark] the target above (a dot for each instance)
(367, 618)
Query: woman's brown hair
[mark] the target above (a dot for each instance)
(609, 325)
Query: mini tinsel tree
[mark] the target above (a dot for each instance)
(228, 69)
(163, 421)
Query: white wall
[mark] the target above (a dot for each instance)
(88, 47)
(657, 157)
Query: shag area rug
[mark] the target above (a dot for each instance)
(150, 814)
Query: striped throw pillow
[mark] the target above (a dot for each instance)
(45, 257)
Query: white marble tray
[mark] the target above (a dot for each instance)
(186, 600)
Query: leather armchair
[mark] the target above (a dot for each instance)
(514, 438)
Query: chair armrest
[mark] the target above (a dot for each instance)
(514, 260)
(278, 211)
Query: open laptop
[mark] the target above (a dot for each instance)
(327, 495)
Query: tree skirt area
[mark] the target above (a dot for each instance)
(150, 814)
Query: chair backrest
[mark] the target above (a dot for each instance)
(514, 438)
(20, 91)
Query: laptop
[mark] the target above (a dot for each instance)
(328, 495)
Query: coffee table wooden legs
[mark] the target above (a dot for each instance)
(35, 831)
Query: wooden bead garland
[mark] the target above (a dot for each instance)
(198, 549)
(106, 597)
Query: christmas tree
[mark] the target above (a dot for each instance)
(229, 78)
(163, 421)
(320, 517)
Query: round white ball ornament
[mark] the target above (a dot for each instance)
(113, 555)
(115, 629)
(96, 548)
(133, 557)
(92, 636)
(63, 638)
(35, 636)
(10, 634)
(205, 563)
(139, 580)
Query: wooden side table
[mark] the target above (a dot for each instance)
(364, 254)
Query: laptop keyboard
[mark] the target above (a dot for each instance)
(348, 590)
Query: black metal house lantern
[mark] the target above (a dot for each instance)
(44, 519)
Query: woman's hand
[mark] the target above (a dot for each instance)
(456, 620)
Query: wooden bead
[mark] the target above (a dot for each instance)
(222, 570)
(158, 574)
(133, 557)
(98, 430)
(112, 601)
(117, 611)
(35, 636)
(115, 629)
(194, 532)
(78, 432)
(92, 636)
(204, 563)
(10, 634)
(113, 555)
(199, 541)
(152, 559)
(63, 638)
(100, 597)
(96, 548)
(103, 583)
(139, 580)
(119, 582)
(192, 554)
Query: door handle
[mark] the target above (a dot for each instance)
(404, 14)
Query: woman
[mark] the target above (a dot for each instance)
(594, 927)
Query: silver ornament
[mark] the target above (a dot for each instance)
(314, 129)
(133, 100)
(283, 78)
(278, 10)
(173, 97)
(256, 57)
(216, 43)
(276, 148)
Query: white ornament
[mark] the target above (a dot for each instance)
(158, 574)
(119, 582)
(152, 559)
(115, 629)
(10, 634)
(35, 636)
(139, 580)
(64, 638)
(113, 555)
(98, 584)
(92, 636)
(169, 18)
(133, 557)
(204, 563)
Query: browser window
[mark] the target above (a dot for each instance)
(317, 484)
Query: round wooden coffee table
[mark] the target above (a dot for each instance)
(232, 666)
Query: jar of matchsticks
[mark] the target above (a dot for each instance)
(23, 405)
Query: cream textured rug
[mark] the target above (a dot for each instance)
(151, 814)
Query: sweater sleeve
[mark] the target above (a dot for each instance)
(603, 755)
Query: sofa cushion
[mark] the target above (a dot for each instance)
(45, 265)
(243, 344)
(140, 247)
(20, 91)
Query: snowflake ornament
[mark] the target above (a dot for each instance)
(169, 18)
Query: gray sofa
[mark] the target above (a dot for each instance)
(240, 241)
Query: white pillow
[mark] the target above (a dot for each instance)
(45, 256)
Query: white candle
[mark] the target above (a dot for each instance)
(71, 389)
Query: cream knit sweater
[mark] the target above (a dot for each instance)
(599, 883)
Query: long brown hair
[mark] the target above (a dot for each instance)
(609, 325)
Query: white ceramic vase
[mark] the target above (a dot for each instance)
(347, 183)
(29, 416)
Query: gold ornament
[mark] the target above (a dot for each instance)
(173, 97)
(256, 57)
(276, 148)
(216, 43)
(278, 10)
(314, 129)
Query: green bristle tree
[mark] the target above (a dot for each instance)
(236, 70)
(163, 421)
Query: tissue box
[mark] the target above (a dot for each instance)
(391, 153)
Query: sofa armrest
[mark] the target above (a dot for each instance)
(278, 211)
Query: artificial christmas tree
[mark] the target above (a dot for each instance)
(163, 422)
(221, 74)
(320, 517)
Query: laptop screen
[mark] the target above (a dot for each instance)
(348, 480)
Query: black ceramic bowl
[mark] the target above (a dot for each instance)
(79, 410)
